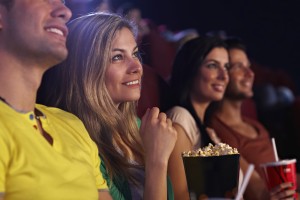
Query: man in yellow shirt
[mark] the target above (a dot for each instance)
(45, 153)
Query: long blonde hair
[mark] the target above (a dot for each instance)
(80, 88)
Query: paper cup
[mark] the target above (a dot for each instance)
(212, 177)
(279, 172)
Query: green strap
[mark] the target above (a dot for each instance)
(118, 188)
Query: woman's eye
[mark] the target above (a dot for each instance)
(117, 57)
(137, 54)
(212, 65)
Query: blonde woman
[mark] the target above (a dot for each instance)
(100, 83)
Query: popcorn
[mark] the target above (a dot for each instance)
(219, 149)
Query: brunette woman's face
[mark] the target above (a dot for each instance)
(123, 75)
(212, 77)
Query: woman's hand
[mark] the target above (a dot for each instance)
(158, 136)
(282, 191)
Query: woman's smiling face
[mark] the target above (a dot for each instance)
(212, 78)
(123, 75)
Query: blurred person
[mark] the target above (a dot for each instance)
(100, 82)
(46, 153)
(199, 77)
(183, 36)
(247, 135)
(103, 6)
(133, 13)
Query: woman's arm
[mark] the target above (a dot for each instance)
(102, 195)
(159, 137)
(256, 188)
(176, 167)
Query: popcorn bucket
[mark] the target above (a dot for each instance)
(212, 176)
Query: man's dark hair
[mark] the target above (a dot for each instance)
(235, 43)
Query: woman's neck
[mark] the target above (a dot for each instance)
(200, 108)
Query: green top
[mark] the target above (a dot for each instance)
(119, 188)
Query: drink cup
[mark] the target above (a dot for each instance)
(279, 172)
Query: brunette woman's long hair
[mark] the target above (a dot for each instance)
(185, 68)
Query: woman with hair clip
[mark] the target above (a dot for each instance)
(100, 83)
(199, 77)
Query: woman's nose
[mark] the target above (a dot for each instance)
(223, 73)
(135, 66)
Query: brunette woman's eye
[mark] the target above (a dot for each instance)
(212, 65)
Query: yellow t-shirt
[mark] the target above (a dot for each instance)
(33, 169)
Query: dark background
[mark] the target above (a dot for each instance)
(270, 28)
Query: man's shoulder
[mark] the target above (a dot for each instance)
(63, 121)
(257, 124)
(60, 117)
(56, 112)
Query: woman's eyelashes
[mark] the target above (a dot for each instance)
(216, 66)
(119, 57)
(212, 65)
(137, 55)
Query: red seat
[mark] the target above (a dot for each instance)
(160, 53)
(152, 92)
